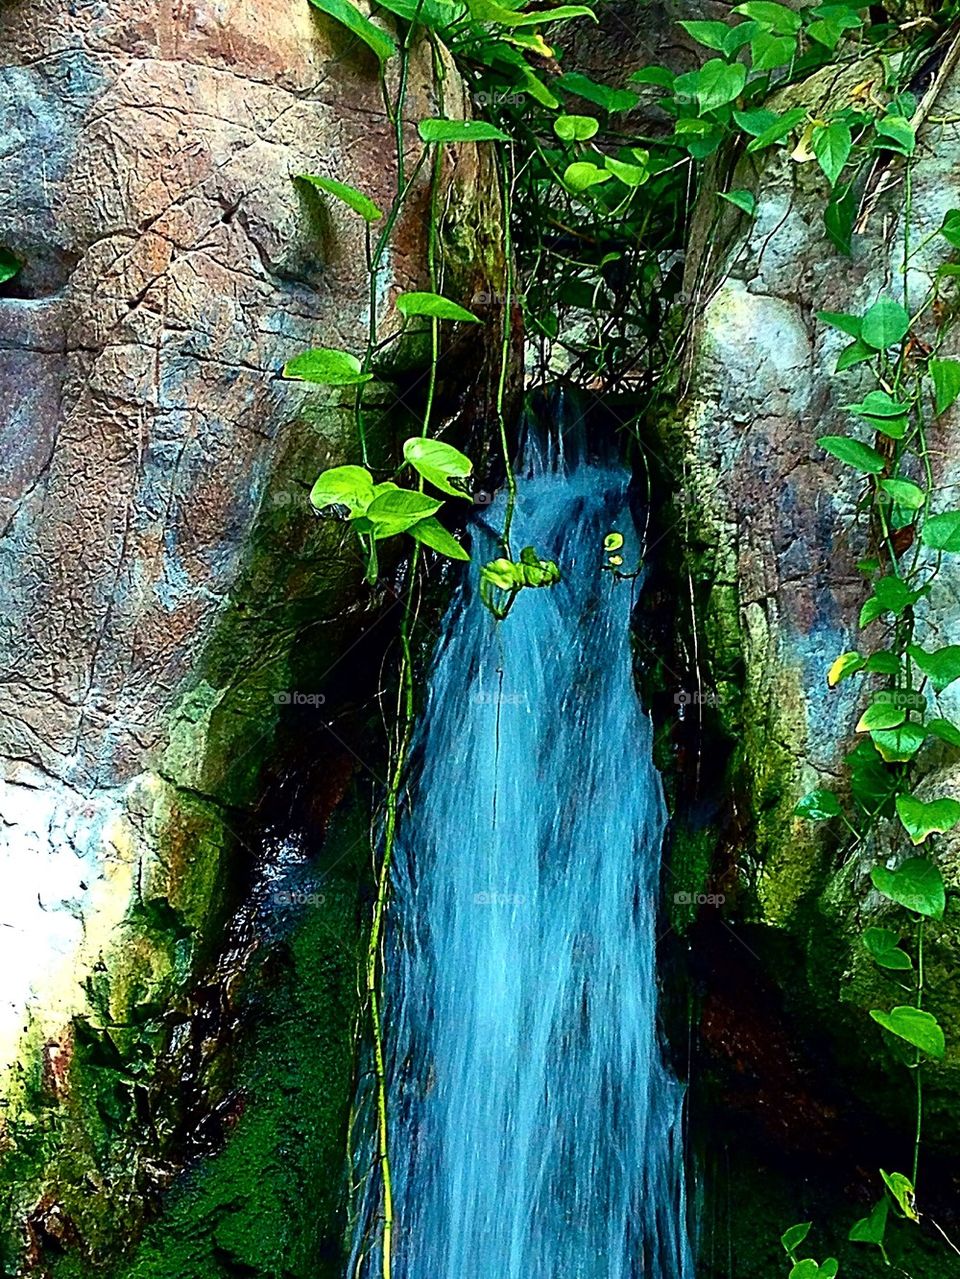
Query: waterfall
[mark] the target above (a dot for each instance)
(535, 1131)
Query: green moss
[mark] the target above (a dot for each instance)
(270, 1204)
(691, 860)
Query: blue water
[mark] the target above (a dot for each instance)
(535, 1132)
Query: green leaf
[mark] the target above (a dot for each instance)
(942, 532)
(631, 175)
(905, 493)
(434, 306)
(438, 463)
(897, 745)
(901, 1188)
(432, 533)
(881, 715)
(838, 218)
(944, 730)
(946, 382)
(896, 134)
(397, 510)
(882, 663)
(719, 82)
(776, 132)
(806, 1269)
(842, 667)
(829, 1268)
(818, 806)
(659, 76)
(327, 368)
(349, 16)
(883, 946)
(711, 34)
(756, 121)
(441, 130)
(562, 13)
(915, 1026)
(849, 324)
(776, 17)
(871, 1229)
(855, 353)
(601, 95)
(575, 128)
(916, 884)
(738, 36)
(941, 667)
(768, 51)
(922, 819)
(885, 324)
(890, 595)
(862, 457)
(346, 194)
(829, 31)
(792, 1239)
(950, 228)
(10, 265)
(349, 486)
(744, 200)
(582, 175)
(878, 404)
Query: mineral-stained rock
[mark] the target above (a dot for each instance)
(165, 587)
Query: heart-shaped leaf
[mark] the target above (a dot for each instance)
(881, 715)
(792, 1239)
(862, 457)
(885, 324)
(916, 884)
(432, 533)
(942, 532)
(883, 946)
(843, 666)
(946, 382)
(818, 806)
(941, 667)
(916, 1027)
(398, 510)
(924, 818)
(439, 464)
(871, 1229)
(433, 306)
(575, 128)
(582, 175)
(901, 1188)
(326, 367)
(440, 130)
(343, 486)
(897, 745)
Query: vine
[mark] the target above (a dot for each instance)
(595, 211)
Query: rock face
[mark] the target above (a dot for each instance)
(771, 541)
(166, 589)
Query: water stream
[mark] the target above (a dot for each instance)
(535, 1132)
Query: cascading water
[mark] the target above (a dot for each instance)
(535, 1132)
